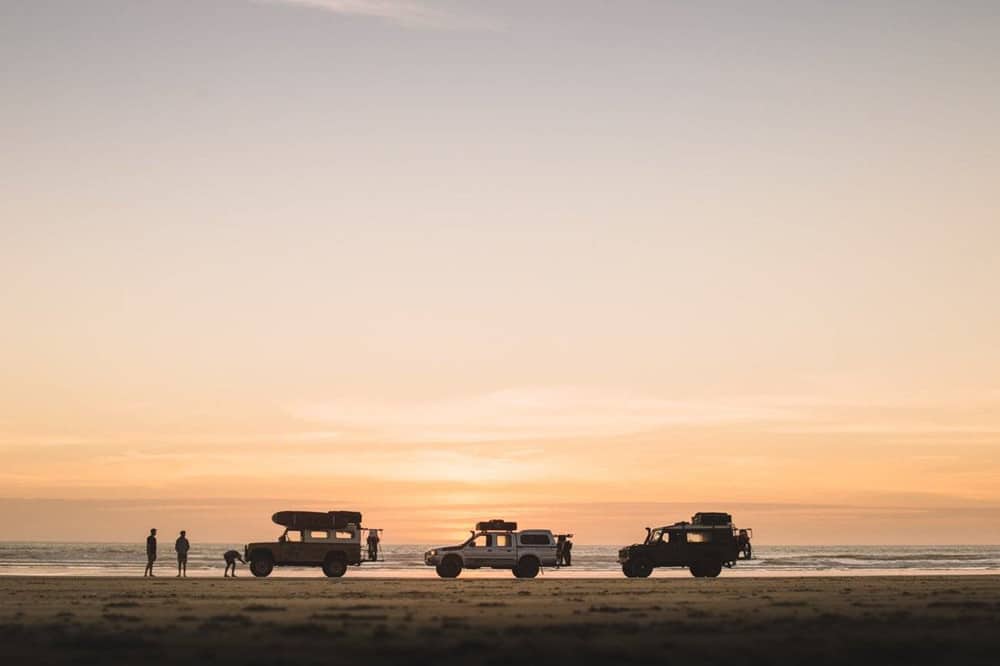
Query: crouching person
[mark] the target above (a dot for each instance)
(231, 556)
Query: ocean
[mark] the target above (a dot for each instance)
(205, 559)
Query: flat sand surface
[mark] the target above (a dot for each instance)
(891, 620)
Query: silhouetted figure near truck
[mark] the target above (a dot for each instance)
(182, 546)
(567, 553)
(231, 556)
(743, 543)
(373, 541)
(150, 552)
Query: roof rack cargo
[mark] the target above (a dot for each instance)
(711, 519)
(496, 524)
(317, 520)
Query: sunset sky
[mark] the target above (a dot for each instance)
(589, 265)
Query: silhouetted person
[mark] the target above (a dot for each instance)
(567, 553)
(743, 543)
(150, 552)
(560, 547)
(182, 546)
(231, 556)
(373, 545)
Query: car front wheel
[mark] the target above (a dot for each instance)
(261, 566)
(449, 568)
(641, 568)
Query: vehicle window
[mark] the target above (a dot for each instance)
(293, 536)
(501, 540)
(699, 537)
(676, 537)
(535, 539)
(319, 535)
(478, 542)
(345, 535)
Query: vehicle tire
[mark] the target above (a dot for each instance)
(450, 567)
(712, 569)
(695, 570)
(334, 566)
(627, 569)
(261, 565)
(641, 568)
(527, 568)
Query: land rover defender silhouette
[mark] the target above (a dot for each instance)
(330, 540)
(705, 545)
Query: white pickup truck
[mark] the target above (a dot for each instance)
(496, 544)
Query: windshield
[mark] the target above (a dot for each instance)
(655, 535)
(477, 539)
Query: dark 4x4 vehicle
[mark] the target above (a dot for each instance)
(705, 545)
(331, 540)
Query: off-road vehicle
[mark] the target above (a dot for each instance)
(331, 540)
(497, 544)
(705, 545)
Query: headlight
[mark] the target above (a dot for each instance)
(433, 553)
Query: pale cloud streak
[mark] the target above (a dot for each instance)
(529, 414)
(406, 13)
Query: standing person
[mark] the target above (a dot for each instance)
(373, 545)
(567, 551)
(182, 546)
(743, 543)
(560, 547)
(150, 552)
(231, 556)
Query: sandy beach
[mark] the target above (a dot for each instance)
(923, 620)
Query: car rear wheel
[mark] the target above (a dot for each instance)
(449, 568)
(527, 568)
(712, 569)
(334, 566)
(262, 565)
(627, 569)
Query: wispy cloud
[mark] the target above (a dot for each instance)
(407, 13)
(528, 413)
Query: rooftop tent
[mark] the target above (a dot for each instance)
(496, 524)
(712, 519)
(316, 520)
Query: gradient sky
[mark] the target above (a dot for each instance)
(593, 265)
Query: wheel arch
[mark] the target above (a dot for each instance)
(261, 552)
(454, 557)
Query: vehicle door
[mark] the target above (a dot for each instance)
(289, 550)
(670, 549)
(502, 547)
(478, 552)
